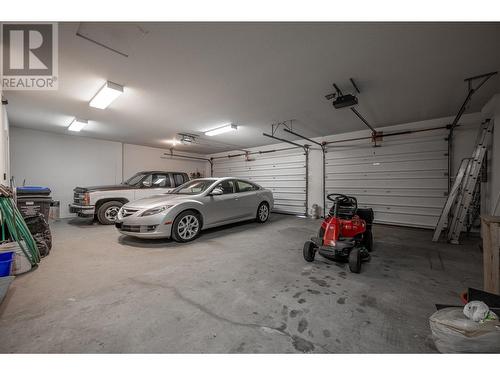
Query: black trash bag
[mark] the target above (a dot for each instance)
(40, 230)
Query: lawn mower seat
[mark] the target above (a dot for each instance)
(346, 208)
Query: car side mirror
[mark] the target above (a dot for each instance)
(217, 191)
(146, 184)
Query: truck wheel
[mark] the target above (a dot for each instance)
(355, 260)
(107, 213)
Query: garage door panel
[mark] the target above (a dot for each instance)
(299, 195)
(410, 201)
(289, 202)
(383, 183)
(337, 175)
(283, 172)
(402, 165)
(400, 215)
(280, 184)
(370, 159)
(260, 161)
(409, 220)
(401, 192)
(405, 180)
(407, 148)
(400, 209)
(264, 168)
(278, 172)
(288, 210)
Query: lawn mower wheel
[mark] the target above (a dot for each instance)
(355, 260)
(309, 251)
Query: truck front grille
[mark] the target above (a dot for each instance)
(77, 198)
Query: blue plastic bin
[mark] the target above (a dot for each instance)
(6, 263)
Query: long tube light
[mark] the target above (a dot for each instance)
(222, 129)
(106, 95)
(77, 125)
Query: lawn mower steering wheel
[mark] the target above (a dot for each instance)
(341, 198)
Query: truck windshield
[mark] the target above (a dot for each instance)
(135, 179)
(193, 187)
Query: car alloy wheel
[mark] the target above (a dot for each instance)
(263, 212)
(111, 213)
(188, 227)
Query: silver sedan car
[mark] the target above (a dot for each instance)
(198, 204)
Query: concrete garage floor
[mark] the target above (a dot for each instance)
(240, 289)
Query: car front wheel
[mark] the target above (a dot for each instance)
(186, 226)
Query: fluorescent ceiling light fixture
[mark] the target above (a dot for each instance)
(222, 129)
(77, 125)
(106, 95)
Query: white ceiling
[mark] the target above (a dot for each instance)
(190, 77)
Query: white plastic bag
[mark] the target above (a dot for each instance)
(453, 332)
(478, 311)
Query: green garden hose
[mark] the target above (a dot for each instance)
(18, 229)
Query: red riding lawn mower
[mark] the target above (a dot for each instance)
(345, 234)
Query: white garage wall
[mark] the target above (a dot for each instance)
(63, 162)
(492, 198)
(494, 182)
(4, 146)
(139, 158)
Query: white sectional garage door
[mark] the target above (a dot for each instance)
(405, 180)
(284, 172)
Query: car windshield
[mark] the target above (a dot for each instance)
(135, 179)
(193, 187)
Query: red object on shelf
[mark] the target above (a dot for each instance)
(464, 297)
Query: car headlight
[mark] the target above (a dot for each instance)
(156, 210)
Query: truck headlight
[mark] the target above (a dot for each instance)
(156, 210)
(86, 199)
